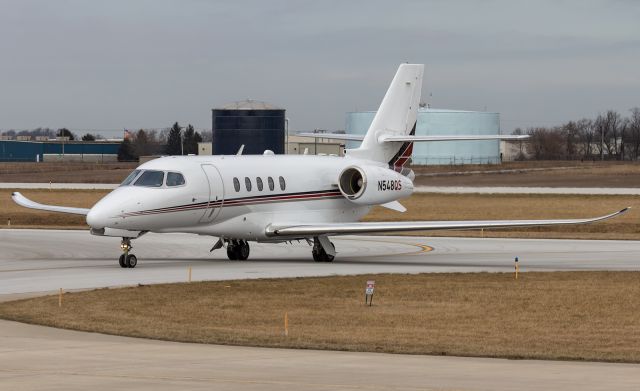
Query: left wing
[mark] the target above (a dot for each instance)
(309, 230)
(27, 203)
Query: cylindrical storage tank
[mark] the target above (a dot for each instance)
(256, 125)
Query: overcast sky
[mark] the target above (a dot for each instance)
(131, 64)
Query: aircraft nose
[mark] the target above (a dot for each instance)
(96, 218)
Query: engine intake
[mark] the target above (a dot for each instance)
(352, 183)
(373, 185)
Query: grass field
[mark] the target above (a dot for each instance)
(31, 218)
(563, 315)
(420, 207)
(69, 172)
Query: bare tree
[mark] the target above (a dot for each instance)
(633, 133)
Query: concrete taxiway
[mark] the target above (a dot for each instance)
(33, 357)
(38, 358)
(40, 261)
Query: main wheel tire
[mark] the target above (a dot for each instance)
(121, 261)
(131, 261)
(242, 251)
(232, 253)
(317, 256)
(328, 258)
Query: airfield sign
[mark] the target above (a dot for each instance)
(368, 293)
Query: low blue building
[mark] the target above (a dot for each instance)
(439, 122)
(38, 151)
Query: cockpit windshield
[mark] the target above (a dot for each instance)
(130, 178)
(150, 178)
(153, 178)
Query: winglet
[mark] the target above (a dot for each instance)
(27, 203)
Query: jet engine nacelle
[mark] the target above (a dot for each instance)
(371, 185)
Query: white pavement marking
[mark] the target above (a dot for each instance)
(527, 190)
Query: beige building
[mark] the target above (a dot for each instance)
(297, 145)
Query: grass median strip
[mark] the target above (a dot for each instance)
(560, 315)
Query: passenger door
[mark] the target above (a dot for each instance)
(216, 193)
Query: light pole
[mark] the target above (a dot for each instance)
(286, 135)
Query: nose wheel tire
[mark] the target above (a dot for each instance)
(127, 261)
(131, 261)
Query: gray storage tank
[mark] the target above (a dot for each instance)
(258, 125)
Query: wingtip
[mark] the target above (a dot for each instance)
(625, 210)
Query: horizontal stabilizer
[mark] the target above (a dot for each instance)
(335, 136)
(27, 203)
(308, 230)
(392, 138)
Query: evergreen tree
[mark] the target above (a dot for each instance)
(64, 132)
(88, 137)
(174, 142)
(191, 140)
(126, 152)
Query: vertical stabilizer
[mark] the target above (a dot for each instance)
(396, 116)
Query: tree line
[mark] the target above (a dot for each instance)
(172, 141)
(609, 136)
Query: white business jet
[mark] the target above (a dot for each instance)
(269, 198)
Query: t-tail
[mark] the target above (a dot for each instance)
(396, 117)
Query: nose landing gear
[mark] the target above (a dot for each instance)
(127, 260)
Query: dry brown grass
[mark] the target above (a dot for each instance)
(570, 174)
(565, 315)
(69, 172)
(31, 218)
(524, 206)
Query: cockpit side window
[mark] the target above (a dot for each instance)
(150, 178)
(127, 181)
(175, 179)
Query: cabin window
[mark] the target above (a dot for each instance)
(247, 183)
(271, 185)
(259, 183)
(282, 184)
(150, 178)
(175, 179)
(130, 178)
(236, 184)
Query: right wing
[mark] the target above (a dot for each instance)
(310, 230)
(27, 203)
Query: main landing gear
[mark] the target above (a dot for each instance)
(319, 253)
(238, 250)
(126, 259)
